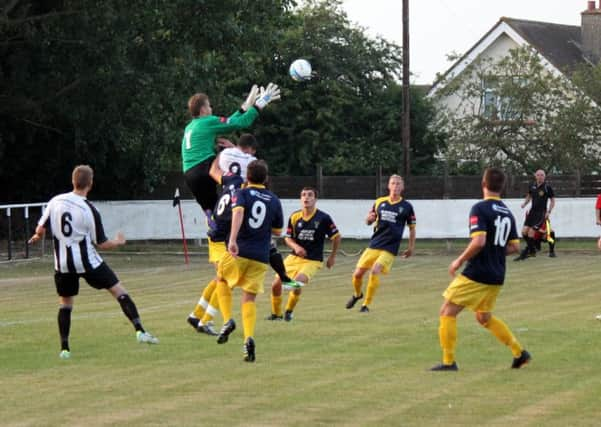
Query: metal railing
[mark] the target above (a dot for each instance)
(8, 209)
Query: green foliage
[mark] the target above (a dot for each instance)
(106, 83)
(532, 119)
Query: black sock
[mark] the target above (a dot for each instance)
(130, 310)
(64, 326)
(531, 245)
(277, 263)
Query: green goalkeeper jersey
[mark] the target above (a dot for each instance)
(198, 143)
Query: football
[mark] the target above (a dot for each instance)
(300, 70)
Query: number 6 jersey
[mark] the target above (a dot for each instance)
(491, 217)
(76, 226)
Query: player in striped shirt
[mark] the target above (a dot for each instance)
(77, 230)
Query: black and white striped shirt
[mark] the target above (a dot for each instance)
(76, 226)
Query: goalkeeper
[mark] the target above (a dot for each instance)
(198, 143)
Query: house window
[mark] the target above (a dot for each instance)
(498, 107)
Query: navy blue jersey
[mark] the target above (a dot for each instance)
(222, 213)
(390, 223)
(540, 194)
(262, 216)
(491, 217)
(310, 233)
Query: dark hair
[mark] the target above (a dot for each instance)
(313, 189)
(196, 102)
(494, 179)
(82, 177)
(247, 140)
(256, 172)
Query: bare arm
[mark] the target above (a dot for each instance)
(40, 231)
(409, 251)
(526, 200)
(119, 240)
(215, 171)
(371, 217)
(237, 218)
(512, 247)
(475, 246)
(335, 245)
(551, 206)
(296, 248)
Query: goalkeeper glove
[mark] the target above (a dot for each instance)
(272, 93)
(251, 98)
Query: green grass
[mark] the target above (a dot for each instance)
(330, 366)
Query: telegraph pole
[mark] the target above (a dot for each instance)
(406, 122)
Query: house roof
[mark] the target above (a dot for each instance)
(559, 45)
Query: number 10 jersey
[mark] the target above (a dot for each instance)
(491, 217)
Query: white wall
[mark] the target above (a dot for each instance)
(157, 219)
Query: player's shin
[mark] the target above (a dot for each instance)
(249, 318)
(447, 333)
(64, 325)
(500, 330)
(372, 287)
(130, 311)
(225, 300)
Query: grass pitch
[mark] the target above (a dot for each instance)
(329, 366)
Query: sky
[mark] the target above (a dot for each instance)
(440, 27)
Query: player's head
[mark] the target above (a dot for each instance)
(256, 172)
(248, 143)
(493, 180)
(396, 185)
(308, 197)
(199, 105)
(539, 175)
(82, 177)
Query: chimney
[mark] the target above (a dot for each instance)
(591, 32)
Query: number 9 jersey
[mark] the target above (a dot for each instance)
(491, 217)
(263, 216)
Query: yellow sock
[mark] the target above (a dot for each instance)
(203, 302)
(447, 333)
(225, 300)
(249, 318)
(212, 309)
(372, 286)
(500, 330)
(276, 305)
(292, 301)
(357, 285)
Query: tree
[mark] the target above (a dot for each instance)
(516, 114)
(347, 118)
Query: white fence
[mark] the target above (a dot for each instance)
(572, 217)
(436, 219)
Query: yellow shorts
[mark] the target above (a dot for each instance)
(376, 256)
(242, 272)
(474, 295)
(296, 265)
(216, 251)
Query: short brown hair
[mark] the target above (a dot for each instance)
(248, 140)
(196, 102)
(82, 177)
(313, 189)
(494, 179)
(256, 172)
